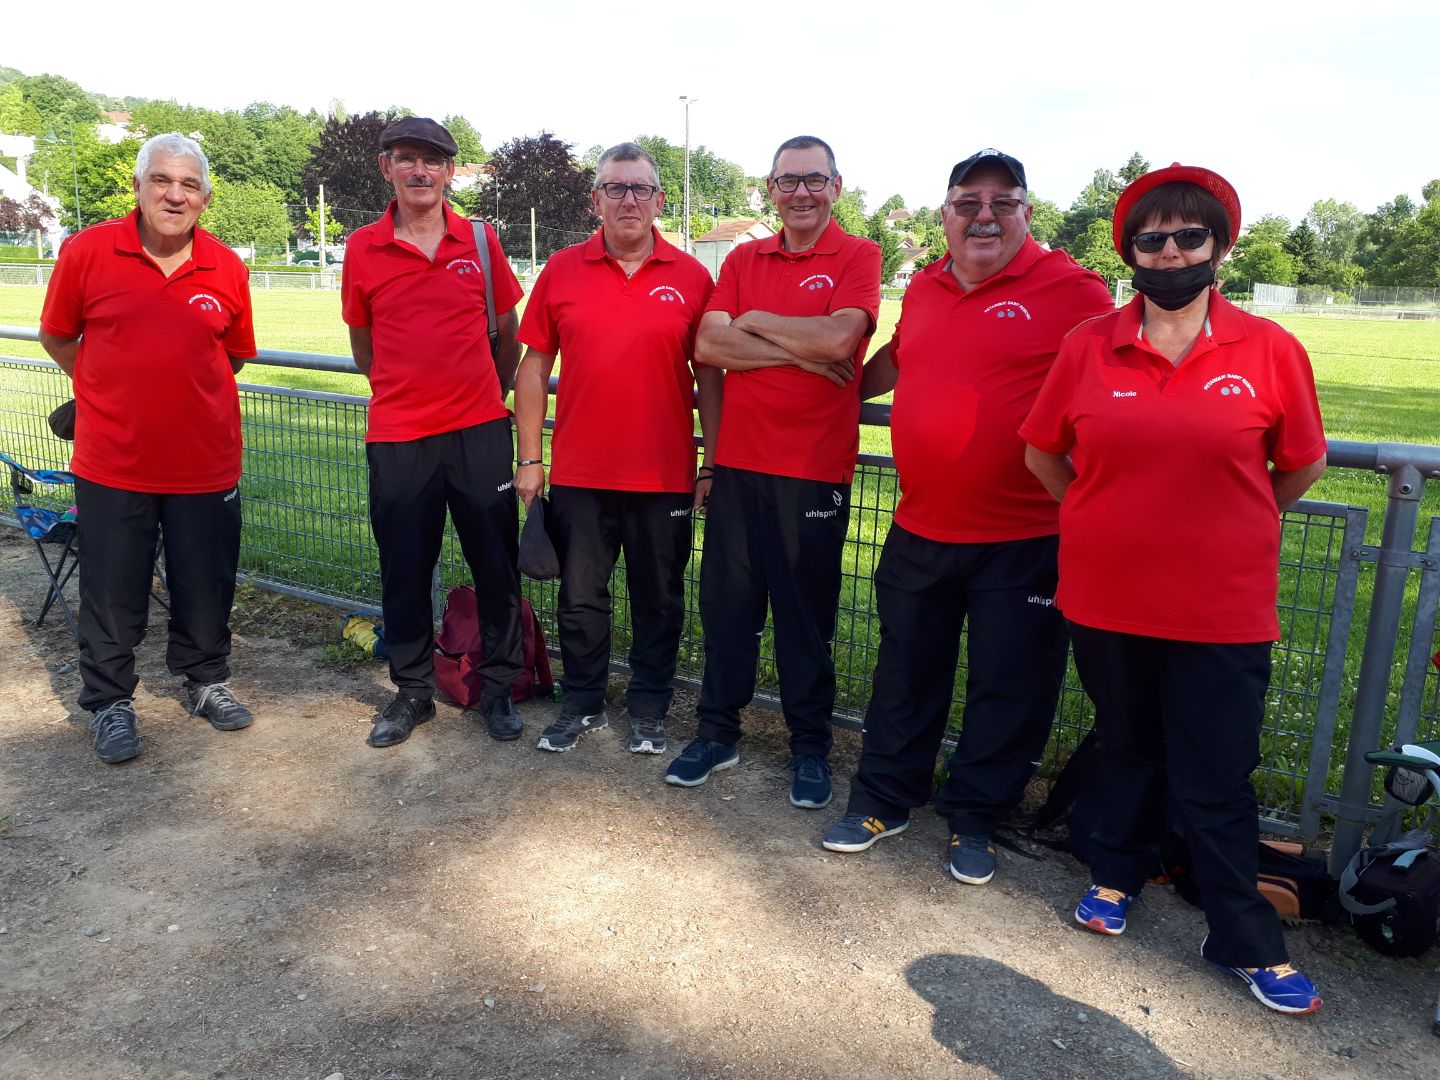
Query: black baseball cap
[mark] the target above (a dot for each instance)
(419, 129)
(988, 156)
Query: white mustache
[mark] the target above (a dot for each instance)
(420, 181)
(989, 228)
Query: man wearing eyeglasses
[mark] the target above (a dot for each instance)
(621, 309)
(788, 323)
(974, 536)
(413, 295)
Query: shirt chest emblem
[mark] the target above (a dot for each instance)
(1008, 309)
(206, 302)
(1230, 385)
(818, 281)
(463, 266)
(667, 294)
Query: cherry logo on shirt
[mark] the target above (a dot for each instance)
(818, 281)
(667, 294)
(1231, 385)
(1008, 309)
(463, 266)
(206, 302)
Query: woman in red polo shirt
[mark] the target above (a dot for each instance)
(1174, 431)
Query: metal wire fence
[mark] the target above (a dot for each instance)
(307, 534)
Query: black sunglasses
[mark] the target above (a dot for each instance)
(1185, 240)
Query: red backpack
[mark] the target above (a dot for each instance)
(459, 650)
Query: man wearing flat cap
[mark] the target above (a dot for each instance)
(439, 435)
(974, 536)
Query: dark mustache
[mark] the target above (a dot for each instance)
(988, 228)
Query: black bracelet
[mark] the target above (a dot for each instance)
(532, 461)
(705, 472)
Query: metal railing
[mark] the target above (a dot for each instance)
(1332, 695)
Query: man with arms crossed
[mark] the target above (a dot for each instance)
(150, 315)
(973, 536)
(789, 322)
(621, 309)
(413, 296)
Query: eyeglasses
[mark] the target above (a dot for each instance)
(432, 162)
(1185, 240)
(788, 182)
(642, 192)
(969, 208)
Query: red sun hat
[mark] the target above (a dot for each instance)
(1212, 182)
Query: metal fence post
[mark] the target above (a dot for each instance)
(1393, 560)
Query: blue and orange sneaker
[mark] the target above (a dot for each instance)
(1103, 910)
(1281, 987)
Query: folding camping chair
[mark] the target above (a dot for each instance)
(56, 529)
(47, 528)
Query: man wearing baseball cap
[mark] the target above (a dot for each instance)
(439, 435)
(788, 322)
(974, 536)
(621, 309)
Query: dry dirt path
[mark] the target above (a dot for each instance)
(286, 903)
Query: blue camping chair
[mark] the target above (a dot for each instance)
(47, 528)
(55, 529)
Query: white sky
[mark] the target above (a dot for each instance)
(1292, 102)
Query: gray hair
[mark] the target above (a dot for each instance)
(627, 151)
(805, 142)
(173, 144)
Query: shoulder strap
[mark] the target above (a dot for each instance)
(482, 247)
(1414, 841)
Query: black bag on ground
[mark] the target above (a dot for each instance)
(1391, 895)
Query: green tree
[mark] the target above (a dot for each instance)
(247, 213)
(157, 117)
(1260, 261)
(894, 202)
(1337, 228)
(1413, 256)
(344, 160)
(333, 229)
(878, 229)
(1096, 251)
(284, 136)
(59, 101)
(467, 141)
(1270, 229)
(1304, 245)
(231, 146)
(849, 211)
(1045, 219)
(1431, 191)
(1382, 227)
(1135, 167)
(18, 116)
(102, 171)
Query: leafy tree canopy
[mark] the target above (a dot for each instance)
(467, 141)
(538, 171)
(59, 101)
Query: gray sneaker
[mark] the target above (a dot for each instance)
(647, 735)
(217, 704)
(565, 732)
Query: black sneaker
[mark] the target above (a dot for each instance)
(565, 732)
(217, 704)
(647, 734)
(112, 732)
(810, 789)
(698, 760)
(501, 720)
(394, 723)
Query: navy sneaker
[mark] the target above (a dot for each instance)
(1280, 987)
(698, 760)
(1103, 910)
(565, 732)
(112, 732)
(217, 704)
(856, 832)
(810, 789)
(972, 859)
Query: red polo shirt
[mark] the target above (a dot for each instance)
(433, 371)
(782, 420)
(155, 403)
(624, 407)
(1170, 528)
(970, 365)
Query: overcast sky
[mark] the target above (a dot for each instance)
(1293, 102)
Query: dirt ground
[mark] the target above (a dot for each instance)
(285, 902)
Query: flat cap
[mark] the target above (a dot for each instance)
(420, 129)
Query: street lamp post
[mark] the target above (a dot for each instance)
(75, 171)
(685, 224)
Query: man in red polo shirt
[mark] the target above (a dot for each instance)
(439, 435)
(150, 315)
(975, 534)
(789, 322)
(622, 309)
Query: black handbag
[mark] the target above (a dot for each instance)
(62, 421)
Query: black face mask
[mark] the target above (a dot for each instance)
(1173, 289)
